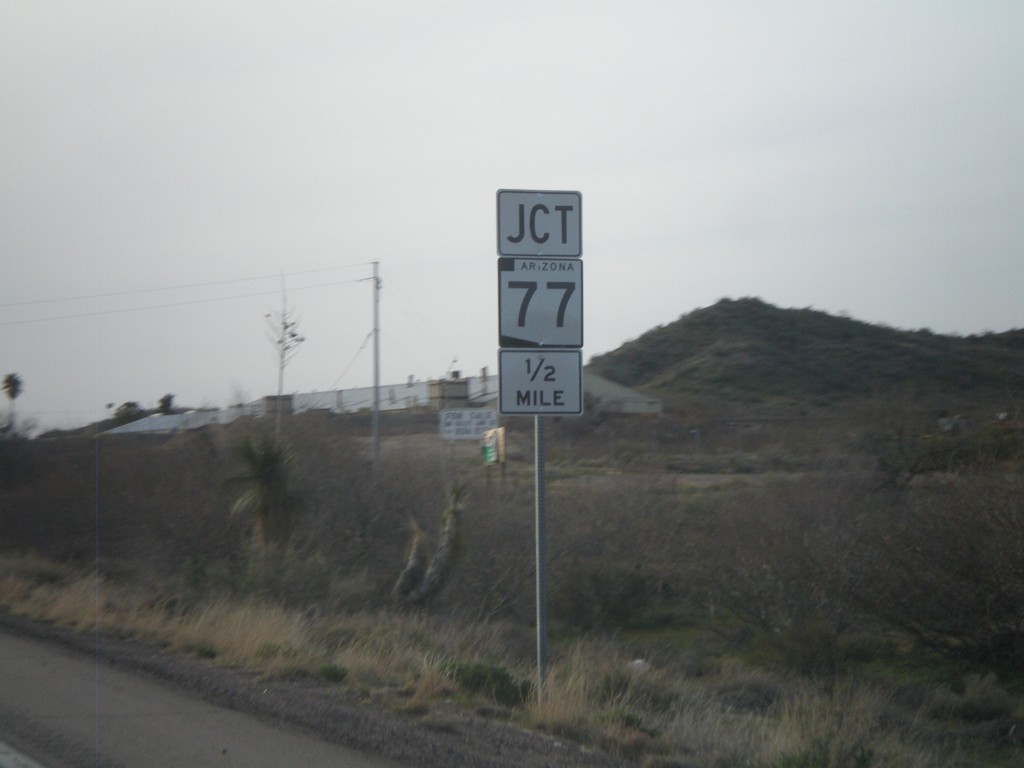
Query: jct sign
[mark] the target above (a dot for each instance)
(539, 223)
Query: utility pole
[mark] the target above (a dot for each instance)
(376, 363)
(287, 339)
(376, 359)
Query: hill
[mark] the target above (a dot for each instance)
(751, 351)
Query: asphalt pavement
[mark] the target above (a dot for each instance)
(59, 709)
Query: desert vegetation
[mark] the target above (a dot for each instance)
(806, 595)
(813, 559)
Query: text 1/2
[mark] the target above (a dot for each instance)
(535, 368)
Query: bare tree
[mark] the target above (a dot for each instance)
(285, 335)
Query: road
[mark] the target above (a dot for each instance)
(63, 710)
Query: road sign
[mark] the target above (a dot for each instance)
(492, 446)
(540, 303)
(542, 382)
(467, 423)
(539, 223)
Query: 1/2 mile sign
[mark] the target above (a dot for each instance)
(541, 382)
(539, 223)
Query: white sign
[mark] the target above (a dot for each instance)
(542, 382)
(540, 303)
(539, 223)
(467, 423)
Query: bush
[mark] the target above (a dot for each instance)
(15, 460)
(490, 680)
(600, 595)
(948, 568)
(332, 673)
(822, 754)
(780, 558)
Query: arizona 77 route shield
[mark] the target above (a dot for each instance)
(540, 303)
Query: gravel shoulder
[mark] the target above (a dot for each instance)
(446, 736)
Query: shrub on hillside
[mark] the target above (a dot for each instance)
(782, 557)
(947, 567)
(15, 460)
(813, 564)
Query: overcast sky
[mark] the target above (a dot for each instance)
(164, 164)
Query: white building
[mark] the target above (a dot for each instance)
(454, 392)
(469, 392)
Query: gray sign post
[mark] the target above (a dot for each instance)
(540, 332)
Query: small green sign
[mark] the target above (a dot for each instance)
(490, 452)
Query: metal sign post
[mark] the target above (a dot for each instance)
(540, 332)
(541, 539)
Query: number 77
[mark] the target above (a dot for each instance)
(530, 286)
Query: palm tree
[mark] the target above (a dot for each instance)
(166, 404)
(267, 493)
(12, 386)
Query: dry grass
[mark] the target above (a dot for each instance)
(378, 649)
(72, 603)
(727, 714)
(596, 696)
(432, 684)
(566, 704)
(640, 566)
(737, 716)
(249, 633)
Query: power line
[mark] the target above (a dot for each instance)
(185, 286)
(352, 361)
(419, 320)
(191, 302)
